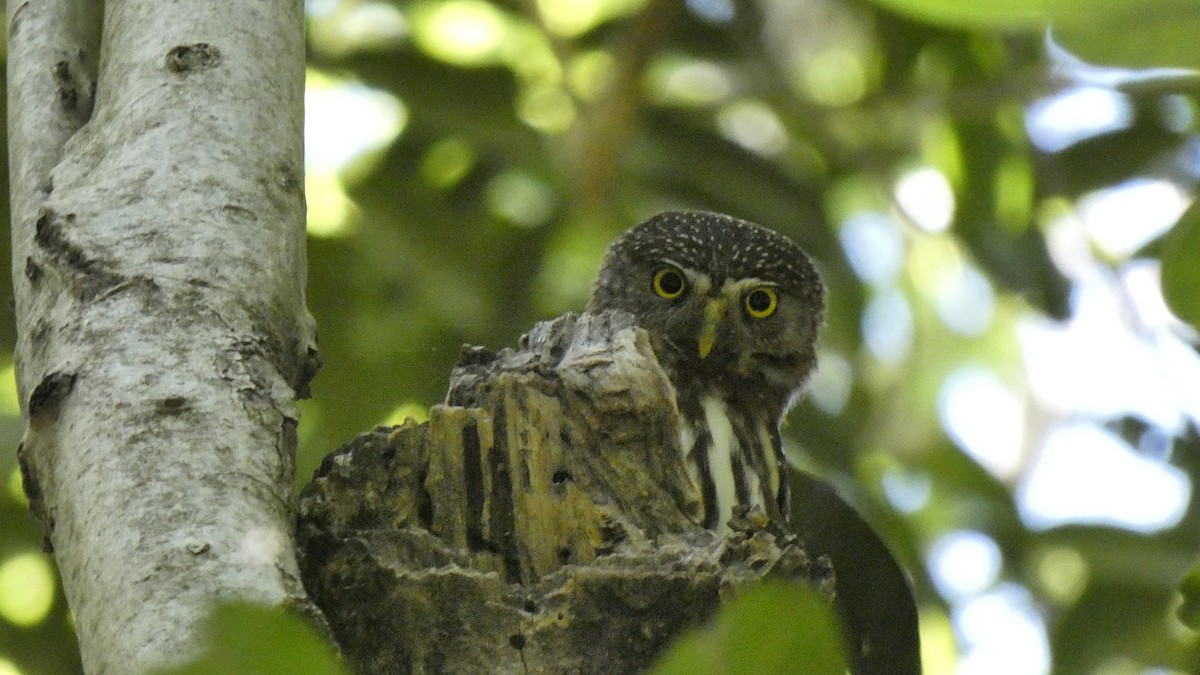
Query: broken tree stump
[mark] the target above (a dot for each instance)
(541, 521)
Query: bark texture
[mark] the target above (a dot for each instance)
(158, 238)
(540, 522)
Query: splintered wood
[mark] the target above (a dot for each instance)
(541, 522)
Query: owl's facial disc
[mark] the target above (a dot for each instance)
(725, 302)
(756, 298)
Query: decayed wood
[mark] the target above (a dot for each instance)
(541, 521)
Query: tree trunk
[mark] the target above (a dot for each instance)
(158, 257)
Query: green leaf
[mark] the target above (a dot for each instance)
(1180, 271)
(1164, 36)
(775, 627)
(1189, 610)
(245, 638)
(997, 14)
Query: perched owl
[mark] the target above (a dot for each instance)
(732, 310)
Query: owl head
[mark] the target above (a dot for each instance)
(721, 298)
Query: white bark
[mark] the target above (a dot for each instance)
(162, 335)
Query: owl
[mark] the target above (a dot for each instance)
(732, 310)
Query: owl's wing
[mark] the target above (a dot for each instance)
(873, 595)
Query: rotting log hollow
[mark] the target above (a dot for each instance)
(540, 522)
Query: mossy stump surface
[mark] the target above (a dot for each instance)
(541, 521)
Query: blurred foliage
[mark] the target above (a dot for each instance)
(767, 629)
(894, 140)
(1180, 273)
(244, 638)
(1091, 30)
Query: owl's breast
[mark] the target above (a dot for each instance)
(733, 458)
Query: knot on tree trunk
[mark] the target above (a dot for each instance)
(541, 521)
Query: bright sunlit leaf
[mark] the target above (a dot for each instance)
(407, 411)
(379, 23)
(550, 110)
(9, 405)
(1014, 192)
(571, 18)
(460, 32)
(328, 205)
(1061, 573)
(753, 125)
(590, 72)
(941, 149)
(26, 589)
(836, 76)
(939, 649)
(15, 490)
(688, 82)
(528, 53)
(521, 199)
(448, 161)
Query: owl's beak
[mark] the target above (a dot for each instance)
(713, 311)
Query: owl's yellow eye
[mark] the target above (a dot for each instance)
(761, 302)
(669, 283)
